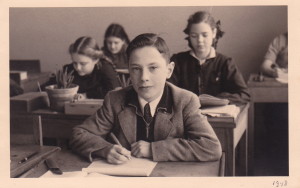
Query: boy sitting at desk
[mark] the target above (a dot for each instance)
(152, 118)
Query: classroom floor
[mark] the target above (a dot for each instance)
(271, 140)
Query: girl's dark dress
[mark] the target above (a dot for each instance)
(218, 76)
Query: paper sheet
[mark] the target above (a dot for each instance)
(74, 174)
(134, 167)
(220, 111)
(282, 75)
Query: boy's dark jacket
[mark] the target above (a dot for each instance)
(181, 134)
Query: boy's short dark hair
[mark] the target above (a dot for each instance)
(149, 39)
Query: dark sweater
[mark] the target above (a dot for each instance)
(219, 77)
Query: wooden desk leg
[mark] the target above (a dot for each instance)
(37, 129)
(251, 139)
(243, 155)
(230, 154)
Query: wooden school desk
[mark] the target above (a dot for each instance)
(231, 133)
(68, 161)
(24, 158)
(267, 91)
(229, 130)
(123, 76)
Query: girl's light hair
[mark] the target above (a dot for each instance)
(86, 46)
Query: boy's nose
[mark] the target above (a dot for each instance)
(145, 75)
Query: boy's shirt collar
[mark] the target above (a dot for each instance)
(153, 104)
(212, 54)
(165, 103)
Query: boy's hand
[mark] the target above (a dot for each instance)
(118, 155)
(141, 149)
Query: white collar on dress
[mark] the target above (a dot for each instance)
(211, 54)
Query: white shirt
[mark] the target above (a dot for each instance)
(153, 104)
(211, 54)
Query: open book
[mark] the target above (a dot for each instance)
(208, 100)
(134, 167)
(222, 111)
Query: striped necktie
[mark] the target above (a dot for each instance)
(148, 118)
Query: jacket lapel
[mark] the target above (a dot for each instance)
(162, 126)
(127, 119)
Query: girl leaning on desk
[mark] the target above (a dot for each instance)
(92, 72)
(202, 70)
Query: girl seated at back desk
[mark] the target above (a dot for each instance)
(94, 75)
(114, 46)
(202, 70)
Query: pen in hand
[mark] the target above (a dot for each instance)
(112, 135)
(27, 158)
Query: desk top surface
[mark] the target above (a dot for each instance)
(124, 71)
(30, 155)
(68, 162)
(267, 82)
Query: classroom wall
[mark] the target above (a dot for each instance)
(46, 33)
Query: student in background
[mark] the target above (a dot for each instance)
(202, 70)
(276, 57)
(93, 74)
(115, 44)
(151, 118)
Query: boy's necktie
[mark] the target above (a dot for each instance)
(148, 118)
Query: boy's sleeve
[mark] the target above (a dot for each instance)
(199, 143)
(234, 86)
(90, 135)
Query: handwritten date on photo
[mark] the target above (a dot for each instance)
(280, 183)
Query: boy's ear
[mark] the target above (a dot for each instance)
(214, 32)
(170, 68)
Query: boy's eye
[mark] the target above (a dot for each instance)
(153, 68)
(135, 68)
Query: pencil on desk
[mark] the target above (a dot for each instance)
(112, 135)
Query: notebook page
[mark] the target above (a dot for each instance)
(134, 167)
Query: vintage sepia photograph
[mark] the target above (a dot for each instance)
(135, 93)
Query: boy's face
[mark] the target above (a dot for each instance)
(148, 72)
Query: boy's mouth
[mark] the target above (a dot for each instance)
(145, 87)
